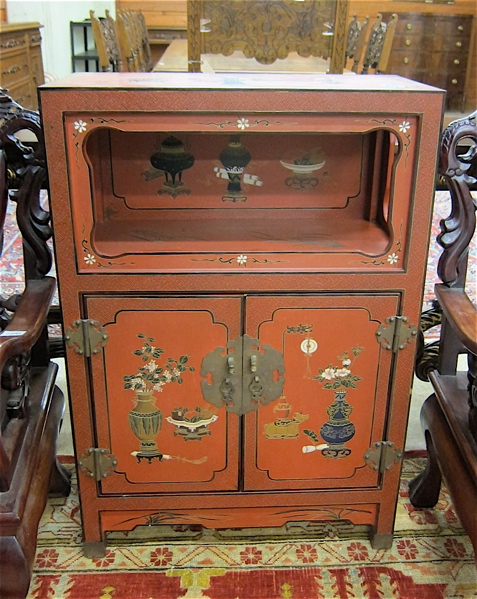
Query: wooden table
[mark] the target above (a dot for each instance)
(175, 59)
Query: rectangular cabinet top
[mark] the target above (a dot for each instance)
(240, 81)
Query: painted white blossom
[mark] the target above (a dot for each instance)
(80, 126)
(242, 260)
(151, 366)
(341, 373)
(89, 259)
(346, 362)
(137, 382)
(404, 126)
(393, 258)
(176, 372)
(329, 374)
(168, 376)
(158, 386)
(242, 124)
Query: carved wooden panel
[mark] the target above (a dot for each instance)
(268, 30)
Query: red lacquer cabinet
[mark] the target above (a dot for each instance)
(240, 265)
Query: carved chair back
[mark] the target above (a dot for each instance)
(133, 40)
(378, 48)
(459, 319)
(106, 42)
(31, 407)
(355, 41)
(268, 30)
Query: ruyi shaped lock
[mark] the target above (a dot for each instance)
(242, 376)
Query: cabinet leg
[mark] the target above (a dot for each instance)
(380, 540)
(94, 549)
(424, 489)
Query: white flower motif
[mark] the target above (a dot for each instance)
(341, 373)
(404, 126)
(346, 362)
(80, 126)
(168, 376)
(242, 124)
(393, 258)
(176, 372)
(242, 260)
(158, 386)
(329, 374)
(89, 259)
(151, 366)
(137, 382)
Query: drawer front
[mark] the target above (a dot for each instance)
(9, 42)
(147, 407)
(14, 67)
(335, 396)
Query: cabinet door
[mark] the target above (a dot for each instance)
(169, 439)
(335, 397)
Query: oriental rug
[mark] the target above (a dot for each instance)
(431, 558)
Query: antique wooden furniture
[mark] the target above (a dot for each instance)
(435, 49)
(31, 406)
(132, 35)
(356, 41)
(247, 252)
(449, 415)
(267, 30)
(370, 51)
(378, 47)
(106, 42)
(21, 69)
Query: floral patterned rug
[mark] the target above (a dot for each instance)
(431, 558)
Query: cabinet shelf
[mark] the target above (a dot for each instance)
(260, 231)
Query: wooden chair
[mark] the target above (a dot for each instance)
(31, 406)
(378, 48)
(146, 48)
(130, 40)
(449, 415)
(106, 42)
(355, 41)
(267, 30)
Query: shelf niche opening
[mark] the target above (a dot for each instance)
(250, 191)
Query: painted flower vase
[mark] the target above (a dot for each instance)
(173, 159)
(234, 158)
(338, 430)
(145, 421)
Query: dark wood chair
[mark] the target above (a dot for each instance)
(267, 30)
(449, 415)
(31, 406)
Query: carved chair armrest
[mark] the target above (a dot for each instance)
(29, 319)
(460, 313)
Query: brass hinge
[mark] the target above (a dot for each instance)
(382, 456)
(86, 337)
(97, 463)
(396, 334)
